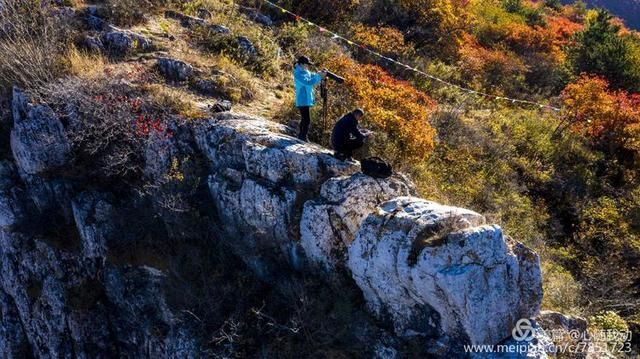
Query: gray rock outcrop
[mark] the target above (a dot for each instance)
(329, 223)
(174, 70)
(120, 43)
(75, 278)
(12, 197)
(261, 177)
(38, 139)
(430, 267)
(257, 16)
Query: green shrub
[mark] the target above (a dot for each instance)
(562, 293)
(601, 49)
(609, 329)
(292, 35)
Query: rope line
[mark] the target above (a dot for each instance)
(352, 43)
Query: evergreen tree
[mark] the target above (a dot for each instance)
(553, 4)
(601, 50)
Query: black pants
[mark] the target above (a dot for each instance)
(346, 148)
(305, 123)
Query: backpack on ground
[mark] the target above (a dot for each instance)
(376, 167)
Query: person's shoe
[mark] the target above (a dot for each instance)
(343, 157)
(340, 156)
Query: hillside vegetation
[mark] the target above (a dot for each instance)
(629, 10)
(567, 183)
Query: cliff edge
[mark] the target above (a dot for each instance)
(68, 285)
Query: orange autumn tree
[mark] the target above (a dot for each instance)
(395, 109)
(562, 29)
(610, 118)
(498, 70)
(385, 39)
(437, 25)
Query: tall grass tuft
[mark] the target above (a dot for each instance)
(32, 43)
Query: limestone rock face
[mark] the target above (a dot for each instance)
(12, 197)
(119, 43)
(13, 341)
(261, 178)
(60, 297)
(76, 278)
(266, 150)
(174, 70)
(94, 219)
(429, 267)
(329, 223)
(135, 290)
(38, 139)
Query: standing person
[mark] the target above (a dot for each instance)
(346, 136)
(305, 81)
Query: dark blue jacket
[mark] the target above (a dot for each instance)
(346, 130)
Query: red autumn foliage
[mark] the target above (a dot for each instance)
(610, 118)
(394, 107)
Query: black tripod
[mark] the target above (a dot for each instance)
(324, 93)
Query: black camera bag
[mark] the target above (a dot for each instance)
(376, 167)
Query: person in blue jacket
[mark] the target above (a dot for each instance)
(305, 82)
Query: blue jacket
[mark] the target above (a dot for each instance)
(304, 81)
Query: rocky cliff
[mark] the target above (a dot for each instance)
(84, 264)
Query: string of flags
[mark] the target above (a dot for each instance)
(352, 43)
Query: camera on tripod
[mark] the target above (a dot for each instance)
(334, 77)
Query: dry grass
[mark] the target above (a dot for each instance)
(268, 61)
(32, 42)
(175, 100)
(83, 64)
(436, 235)
(238, 83)
(132, 12)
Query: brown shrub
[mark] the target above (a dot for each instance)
(108, 121)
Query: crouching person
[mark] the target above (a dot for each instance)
(346, 136)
